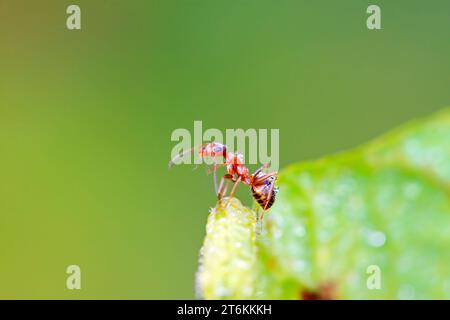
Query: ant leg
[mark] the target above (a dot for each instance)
(262, 216)
(233, 190)
(231, 179)
(226, 188)
(219, 190)
(264, 166)
(264, 177)
(220, 193)
(234, 187)
(215, 176)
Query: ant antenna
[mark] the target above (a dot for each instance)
(181, 155)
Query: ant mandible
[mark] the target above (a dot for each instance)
(262, 184)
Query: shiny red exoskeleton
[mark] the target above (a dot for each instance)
(262, 184)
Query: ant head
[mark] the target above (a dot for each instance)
(218, 148)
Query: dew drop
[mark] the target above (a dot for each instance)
(406, 292)
(376, 239)
(299, 265)
(277, 234)
(241, 264)
(299, 230)
(411, 190)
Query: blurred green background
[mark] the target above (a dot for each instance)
(86, 118)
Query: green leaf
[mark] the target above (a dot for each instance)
(384, 206)
(228, 256)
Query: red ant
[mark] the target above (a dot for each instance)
(262, 184)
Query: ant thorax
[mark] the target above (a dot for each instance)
(235, 165)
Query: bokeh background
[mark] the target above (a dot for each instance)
(86, 118)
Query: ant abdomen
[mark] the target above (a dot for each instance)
(263, 195)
